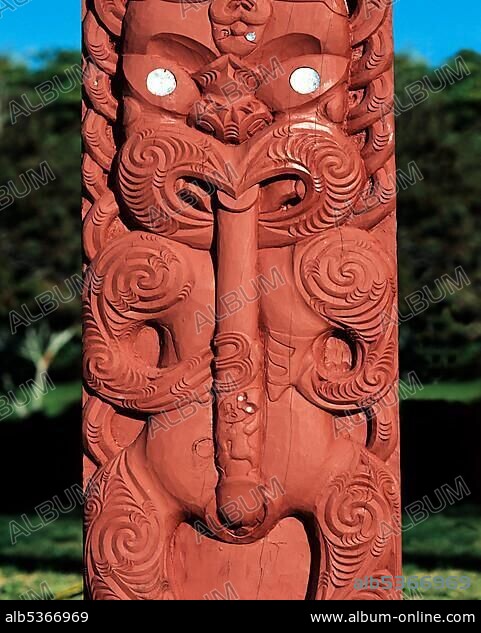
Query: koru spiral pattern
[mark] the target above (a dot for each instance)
(240, 419)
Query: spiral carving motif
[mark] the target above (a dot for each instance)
(134, 281)
(235, 361)
(240, 293)
(347, 279)
(151, 165)
(123, 532)
(357, 508)
(331, 169)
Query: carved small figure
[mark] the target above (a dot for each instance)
(240, 347)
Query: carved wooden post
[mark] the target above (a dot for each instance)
(240, 418)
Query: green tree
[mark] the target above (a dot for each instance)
(440, 217)
(39, 233)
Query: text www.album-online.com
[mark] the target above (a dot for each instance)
(419, 616)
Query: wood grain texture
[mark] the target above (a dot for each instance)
(240, 328)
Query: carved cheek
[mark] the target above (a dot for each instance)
(132, 115)
(277, 286)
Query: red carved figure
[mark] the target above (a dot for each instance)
(240, 346)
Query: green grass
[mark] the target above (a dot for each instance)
(447, 544)
(466, 392)
(472, 593)
(51, 555)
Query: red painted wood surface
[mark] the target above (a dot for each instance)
(240, 349)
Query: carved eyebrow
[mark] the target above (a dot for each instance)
(292, 45)
(187, 52)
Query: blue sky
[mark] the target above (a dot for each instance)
(435, 29)
(429, 28)
(39, 25)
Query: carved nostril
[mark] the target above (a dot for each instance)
(248, 5)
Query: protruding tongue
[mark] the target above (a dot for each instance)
(239, 389)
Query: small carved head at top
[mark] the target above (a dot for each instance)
(238, 25)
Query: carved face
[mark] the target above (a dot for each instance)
(234, 117)
(235, 67)
(196, 72)
(235, 297)
(237, 167)
(238, 27)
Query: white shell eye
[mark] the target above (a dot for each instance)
(161, 82)
(305, 80)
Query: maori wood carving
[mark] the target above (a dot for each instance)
(240, 347)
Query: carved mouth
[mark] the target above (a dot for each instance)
(281, 193)
(310, 179)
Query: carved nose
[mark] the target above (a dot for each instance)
(231, 123)
(240, 203)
